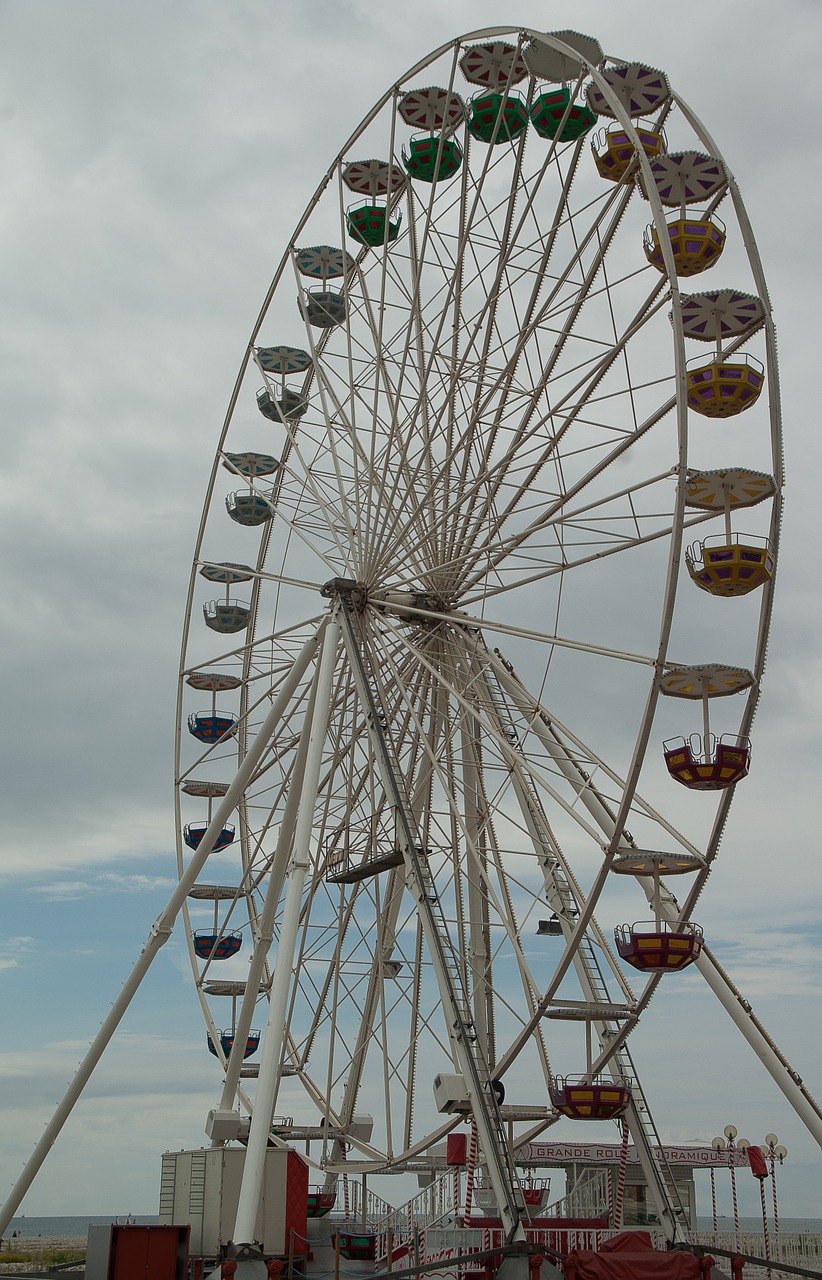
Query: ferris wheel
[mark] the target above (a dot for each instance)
(478, 611)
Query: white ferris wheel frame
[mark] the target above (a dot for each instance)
(333, 628)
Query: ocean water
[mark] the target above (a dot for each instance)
(74, 1226)
(787, 1226)
(79, 1225)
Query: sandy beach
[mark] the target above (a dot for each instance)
(36, 1245)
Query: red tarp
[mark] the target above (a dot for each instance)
(632, 1256)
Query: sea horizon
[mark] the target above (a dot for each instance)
(30, 1226)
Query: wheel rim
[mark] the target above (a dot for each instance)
(491, 454)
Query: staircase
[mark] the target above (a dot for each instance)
(562, 899)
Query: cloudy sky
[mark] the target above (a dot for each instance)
(155, 158)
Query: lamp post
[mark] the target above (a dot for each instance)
(763, 1162)
(728, 1144)
(775, 1152)
(718, 1144)
(760, 1172)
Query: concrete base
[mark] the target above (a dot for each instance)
(250, 1269)
(249, 1263)
(515, 1267)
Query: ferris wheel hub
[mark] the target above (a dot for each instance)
(353, 592)
(402, 602)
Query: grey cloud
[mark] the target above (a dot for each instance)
(156, 159)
